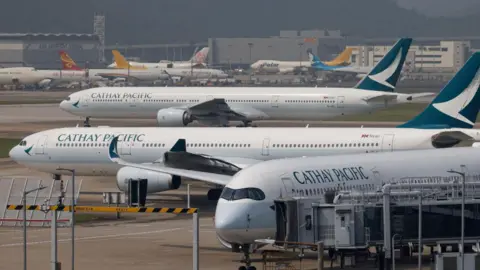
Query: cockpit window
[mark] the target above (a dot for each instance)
(23, 143)
(230, 194)
(67, 99)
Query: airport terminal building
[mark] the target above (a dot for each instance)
(444, 56)
(40, 50)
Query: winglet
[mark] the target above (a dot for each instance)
(457, 105)
(113, 150)
(384, 76)
(180, 146)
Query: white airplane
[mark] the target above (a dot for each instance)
(175, 73)
(40, 78)
(445, 123)
(275, 66)
(197, 60)
(245, 212)
(96, 75)
(217, 106)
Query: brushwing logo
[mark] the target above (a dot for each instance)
(75, 104)
(387, 73)
(27, 151)
(454, 106)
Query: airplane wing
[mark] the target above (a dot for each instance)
(380, 98)
(214, 178)
(112, 76)
(216, 108)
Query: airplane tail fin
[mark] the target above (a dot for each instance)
(201, 56)
(314, 60)
(67, 61)
(457, 105)
(384, 76)
(122, 62)
(193, 54)
(343, 59)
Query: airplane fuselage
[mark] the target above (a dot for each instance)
(86, 149)
(245, 220)
(260, 103)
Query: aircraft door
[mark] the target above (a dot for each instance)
(274, 101)
(266, 147)
(84, 101)
(289, 187)
(125, 148)
(40, 145)
(387, 142)
(209, 97)
(340, 101)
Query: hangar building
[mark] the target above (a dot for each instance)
(290, 45)
(41, 50)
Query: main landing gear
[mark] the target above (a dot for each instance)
(247, 124)
(86, 123)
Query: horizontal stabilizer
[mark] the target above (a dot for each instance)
(447, 139)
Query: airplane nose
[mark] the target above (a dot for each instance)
(12, 153)
(63, 105)
(230, 220)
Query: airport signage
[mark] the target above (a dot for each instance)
(330, 175)
(120, 95)
(78, 137)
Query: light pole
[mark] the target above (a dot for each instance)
(25, 193)
(250, 45)
(301, 52)
(73, 213)
(462, 235)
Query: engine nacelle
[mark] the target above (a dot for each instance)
(173, 118)
(44, 82)
(156, 182)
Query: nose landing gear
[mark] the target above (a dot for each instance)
(86, 123)
(246, 259)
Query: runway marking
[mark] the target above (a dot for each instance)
(93, 237)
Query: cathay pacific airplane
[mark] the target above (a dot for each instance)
(445, 123)
(245, 212)
(217, 106)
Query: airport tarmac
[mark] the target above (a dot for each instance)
(136, 241)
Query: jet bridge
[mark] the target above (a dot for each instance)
(356, 220)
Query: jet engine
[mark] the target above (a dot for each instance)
(156, 182)
(44, 82)
(173, 117)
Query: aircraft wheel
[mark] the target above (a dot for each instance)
(251, 268)
(242, 268)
